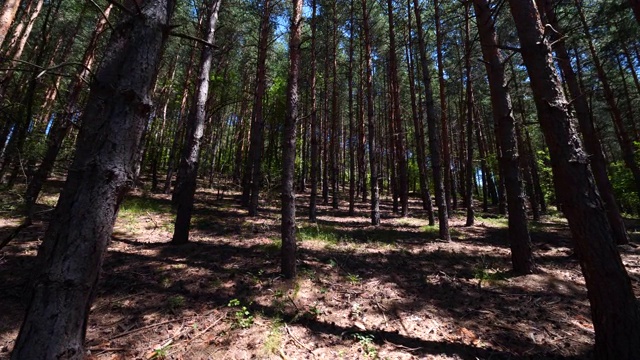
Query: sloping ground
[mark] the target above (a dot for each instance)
(392, 292)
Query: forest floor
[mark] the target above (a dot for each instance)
(363, 292)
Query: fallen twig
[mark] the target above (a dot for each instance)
(298, 341)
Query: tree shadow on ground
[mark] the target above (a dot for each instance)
(404, 270)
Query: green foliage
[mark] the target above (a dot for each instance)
(546, 175)
(354, 279)
(367, 345)
(242, 316)
(175, 302)
(624, 188)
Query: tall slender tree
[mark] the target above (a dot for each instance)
(373, 151)
(518, 232)
(434, 136)
(289, 246)
(188, 169)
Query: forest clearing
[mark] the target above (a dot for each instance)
(389, 292)
(239, 179)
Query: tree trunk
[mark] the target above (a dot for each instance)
(398, 135)
(352, 147)
(471, 172)
(373, 152)
(446, 153)
(591, 141)
(614, 308)
(626, 143)
(185, 188)
(289, 247)
(315, 156)
(75, 243)
(7, 15)
(434, 136)
(521, 253)
(253, 168)
(418, 126)
(62, 125)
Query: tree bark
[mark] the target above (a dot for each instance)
(373, 152)
(185, 189)
(626, 143)
(418, 125)
(75, 243)
(289, 246)
(521, 253)
(62, 125)
(434, 136)
(315, 128)
(591, 141)
(614, 308)
(7, 15)
(253, 168)
(446, 152)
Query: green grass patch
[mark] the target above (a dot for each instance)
(321, 233)
(139, 206)
(497, 222)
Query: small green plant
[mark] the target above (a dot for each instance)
(175, 302)
(160, 353)
(242, 316)
(274, 339)
(354, 279)
(366, 343)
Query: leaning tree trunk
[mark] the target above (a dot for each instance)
(188, 169)
(432, 127)
(626, 142)
(591, 141)
(7, 15)
(61, 126)
(289, 246)
(614, 308)
(75, 243)
(521, 254)
(373, 152)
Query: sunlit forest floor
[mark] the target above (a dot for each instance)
(391, 292)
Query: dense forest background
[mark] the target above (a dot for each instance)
(443, 117)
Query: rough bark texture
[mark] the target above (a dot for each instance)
(398, 137)
(446, 152)
(76, 240)
(62, 125)
(432, 127)
(253, 169)
(471, 172)
(352, 147)
(7, 15)
(626, 142)
(315, 128)
(518, 233)
(289, 246)
(373, 152)
(614, 309)
(591, 141)
(188, 168)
